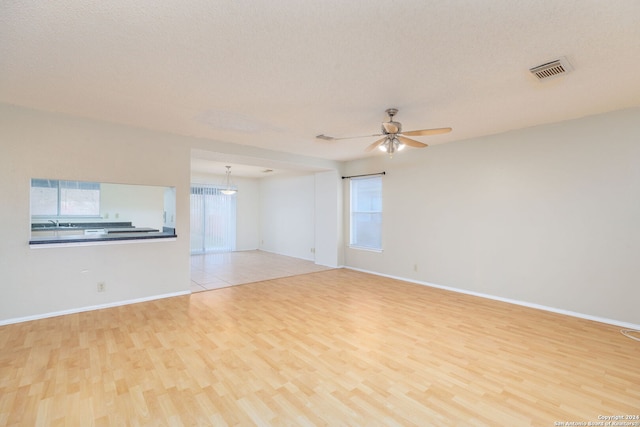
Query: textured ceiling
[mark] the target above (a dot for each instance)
(273, 74)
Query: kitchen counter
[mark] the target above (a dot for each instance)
(64, 235)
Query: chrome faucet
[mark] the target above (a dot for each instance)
(54, 222)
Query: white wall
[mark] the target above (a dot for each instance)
(48, 280)
(546, 215)
(247, 208)
(287, 215)
(248, 219)
(142, 205)
(328, 224)
(169, 203)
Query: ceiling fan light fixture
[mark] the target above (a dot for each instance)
(391, 145)
(393, 137)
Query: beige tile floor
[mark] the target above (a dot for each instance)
(220, 270)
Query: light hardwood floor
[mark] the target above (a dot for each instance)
(220, 270)
(334, 348)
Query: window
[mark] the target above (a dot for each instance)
(52, 197)
(366, 213)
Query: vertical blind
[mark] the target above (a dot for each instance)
(213, 219)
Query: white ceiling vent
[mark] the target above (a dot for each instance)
(551, 69)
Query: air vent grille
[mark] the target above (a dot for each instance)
(551, 69)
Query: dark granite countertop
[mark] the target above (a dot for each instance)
(113, 235)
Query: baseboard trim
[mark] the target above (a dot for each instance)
(507, 300)
(91, 308)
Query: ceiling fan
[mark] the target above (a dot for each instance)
(393, 138)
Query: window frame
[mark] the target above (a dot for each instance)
(374, 210)
(60, 185)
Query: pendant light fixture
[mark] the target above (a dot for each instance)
(229, 189)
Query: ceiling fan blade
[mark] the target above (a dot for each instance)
(411, 142)
(333, 138)
(425, 132)
(375, 144)
(390, 127)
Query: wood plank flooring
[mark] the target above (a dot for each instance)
(337, 348)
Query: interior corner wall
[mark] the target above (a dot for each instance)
(247, 208)
(328, 214)
(40, 281)
(546, 215)
(287, 215)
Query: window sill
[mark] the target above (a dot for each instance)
(362, 248)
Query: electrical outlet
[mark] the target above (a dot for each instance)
(415, 267)
(313, 250)
(102, 287)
